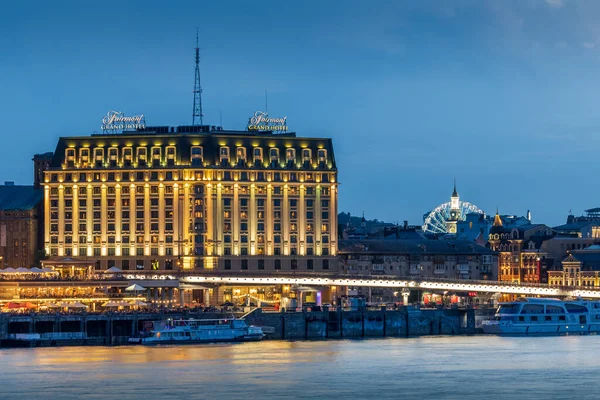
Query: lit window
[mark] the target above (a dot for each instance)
(70, 157)
(84, 156)
(142, 155)
(257, 154)
(156, 155)
(127, 156)
(224, 153)
(306, 155)
(196, 155)
(241, 154)
(290, 154)
(170, 155)
(322, 155)
(98, 156)
(113, 154)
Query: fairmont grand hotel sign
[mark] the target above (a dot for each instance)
(261, 121)
(116, 121)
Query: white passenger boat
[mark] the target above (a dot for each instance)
(180, 331)
(527, 316)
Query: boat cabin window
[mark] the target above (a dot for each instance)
(576, 309)
(534, 318)
(509, 309)
(561, 318)
(548, 318)
(521, 319)
(532, 309)
(554, 310)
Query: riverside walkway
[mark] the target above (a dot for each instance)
(383, 281)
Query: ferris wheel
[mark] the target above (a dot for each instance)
(435, 222)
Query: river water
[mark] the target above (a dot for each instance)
(473, 367)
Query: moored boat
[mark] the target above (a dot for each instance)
(181, 331)
(527, 316)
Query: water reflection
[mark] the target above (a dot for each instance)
(446, 367)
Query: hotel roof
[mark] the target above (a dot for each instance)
(211, 140)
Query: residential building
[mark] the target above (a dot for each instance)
(449, 259)
(414, 259)
(520, 259)
(580, 268)
(580, 229)
(475, 228)
(19, 224)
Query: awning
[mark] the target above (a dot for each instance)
(134, 288)
(77, 305)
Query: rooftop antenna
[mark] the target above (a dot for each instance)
(266, 102)
(198, 114)
(221, 118)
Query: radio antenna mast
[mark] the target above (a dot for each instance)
(198, 114)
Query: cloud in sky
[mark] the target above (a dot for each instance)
(414, 93)
(555, 3)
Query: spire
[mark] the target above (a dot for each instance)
(198, 114)
(497, 219)
(454, 193)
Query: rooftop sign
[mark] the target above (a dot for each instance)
(115, 121)
(260, 121)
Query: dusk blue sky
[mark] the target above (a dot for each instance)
(501, 95)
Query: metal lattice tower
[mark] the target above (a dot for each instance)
(198, 114)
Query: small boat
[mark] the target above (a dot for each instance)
(527, 316)
(182, 331)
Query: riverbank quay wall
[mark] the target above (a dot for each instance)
(117, 328)
(340, 324)
(103, 329)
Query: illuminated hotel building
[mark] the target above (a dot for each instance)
(163, 198)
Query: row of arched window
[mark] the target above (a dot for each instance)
(126, 156)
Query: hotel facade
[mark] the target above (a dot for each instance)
(193, 198)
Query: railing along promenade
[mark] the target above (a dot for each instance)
(208, 277)
(350, 279)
